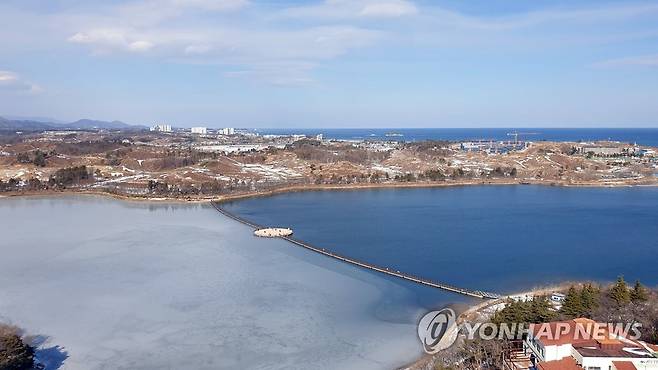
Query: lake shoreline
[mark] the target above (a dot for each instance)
(304, 188)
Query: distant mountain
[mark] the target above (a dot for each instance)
(87, 124)
(12, 125)
(83, 124)
(33, 118)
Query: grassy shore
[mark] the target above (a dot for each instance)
(322, 187)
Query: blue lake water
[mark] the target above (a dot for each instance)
(498, 238)
(642, 136)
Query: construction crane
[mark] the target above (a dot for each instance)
(516, 135)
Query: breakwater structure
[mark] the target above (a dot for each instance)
(273, 232)
(384, 270)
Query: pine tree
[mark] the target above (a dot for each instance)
(573, 304)
(589, 296)
(513, 312)
(39, 159)
(540, 310)
(638, 294)
(14, 353)
(619, 292)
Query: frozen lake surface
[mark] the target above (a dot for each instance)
(110, 284)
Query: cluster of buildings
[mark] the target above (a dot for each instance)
(161, 128)
(204, 131)
(226, 131)
(582, 344)
(377, 146)
(489, 146)
(608, 150)
(198, 130)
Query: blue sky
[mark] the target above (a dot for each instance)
(332, 63)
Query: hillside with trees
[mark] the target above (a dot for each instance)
(618, 302)
(15, 354)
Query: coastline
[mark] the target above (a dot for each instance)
(322, 187)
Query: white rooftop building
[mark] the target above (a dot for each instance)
(161, 128)
(199, 130)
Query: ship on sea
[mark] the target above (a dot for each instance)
(393, 134)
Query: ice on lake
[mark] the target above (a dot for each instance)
(125, 285)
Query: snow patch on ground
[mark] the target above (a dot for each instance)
(270, 172)
(386, 169)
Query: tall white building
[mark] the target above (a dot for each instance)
(161, 128)
(199, 130)
(227, 131)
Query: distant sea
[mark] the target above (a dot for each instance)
(642, 136)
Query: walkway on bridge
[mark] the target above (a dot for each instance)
(369, 266)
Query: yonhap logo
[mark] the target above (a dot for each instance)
(438, 330)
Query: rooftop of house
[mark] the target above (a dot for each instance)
(567, 363)
(624, 365)
(620, 351)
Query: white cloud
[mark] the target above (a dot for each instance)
(638, 61)
(12, 82)
(250, 51)
(353, 9)
(7, 77)
(389, 9)
(140, 46)
(105, 40)
(610, 13)
(150, 13)
(288, 73)
(230, 44)
(243, 37)
(213, 5)
(198, 49)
